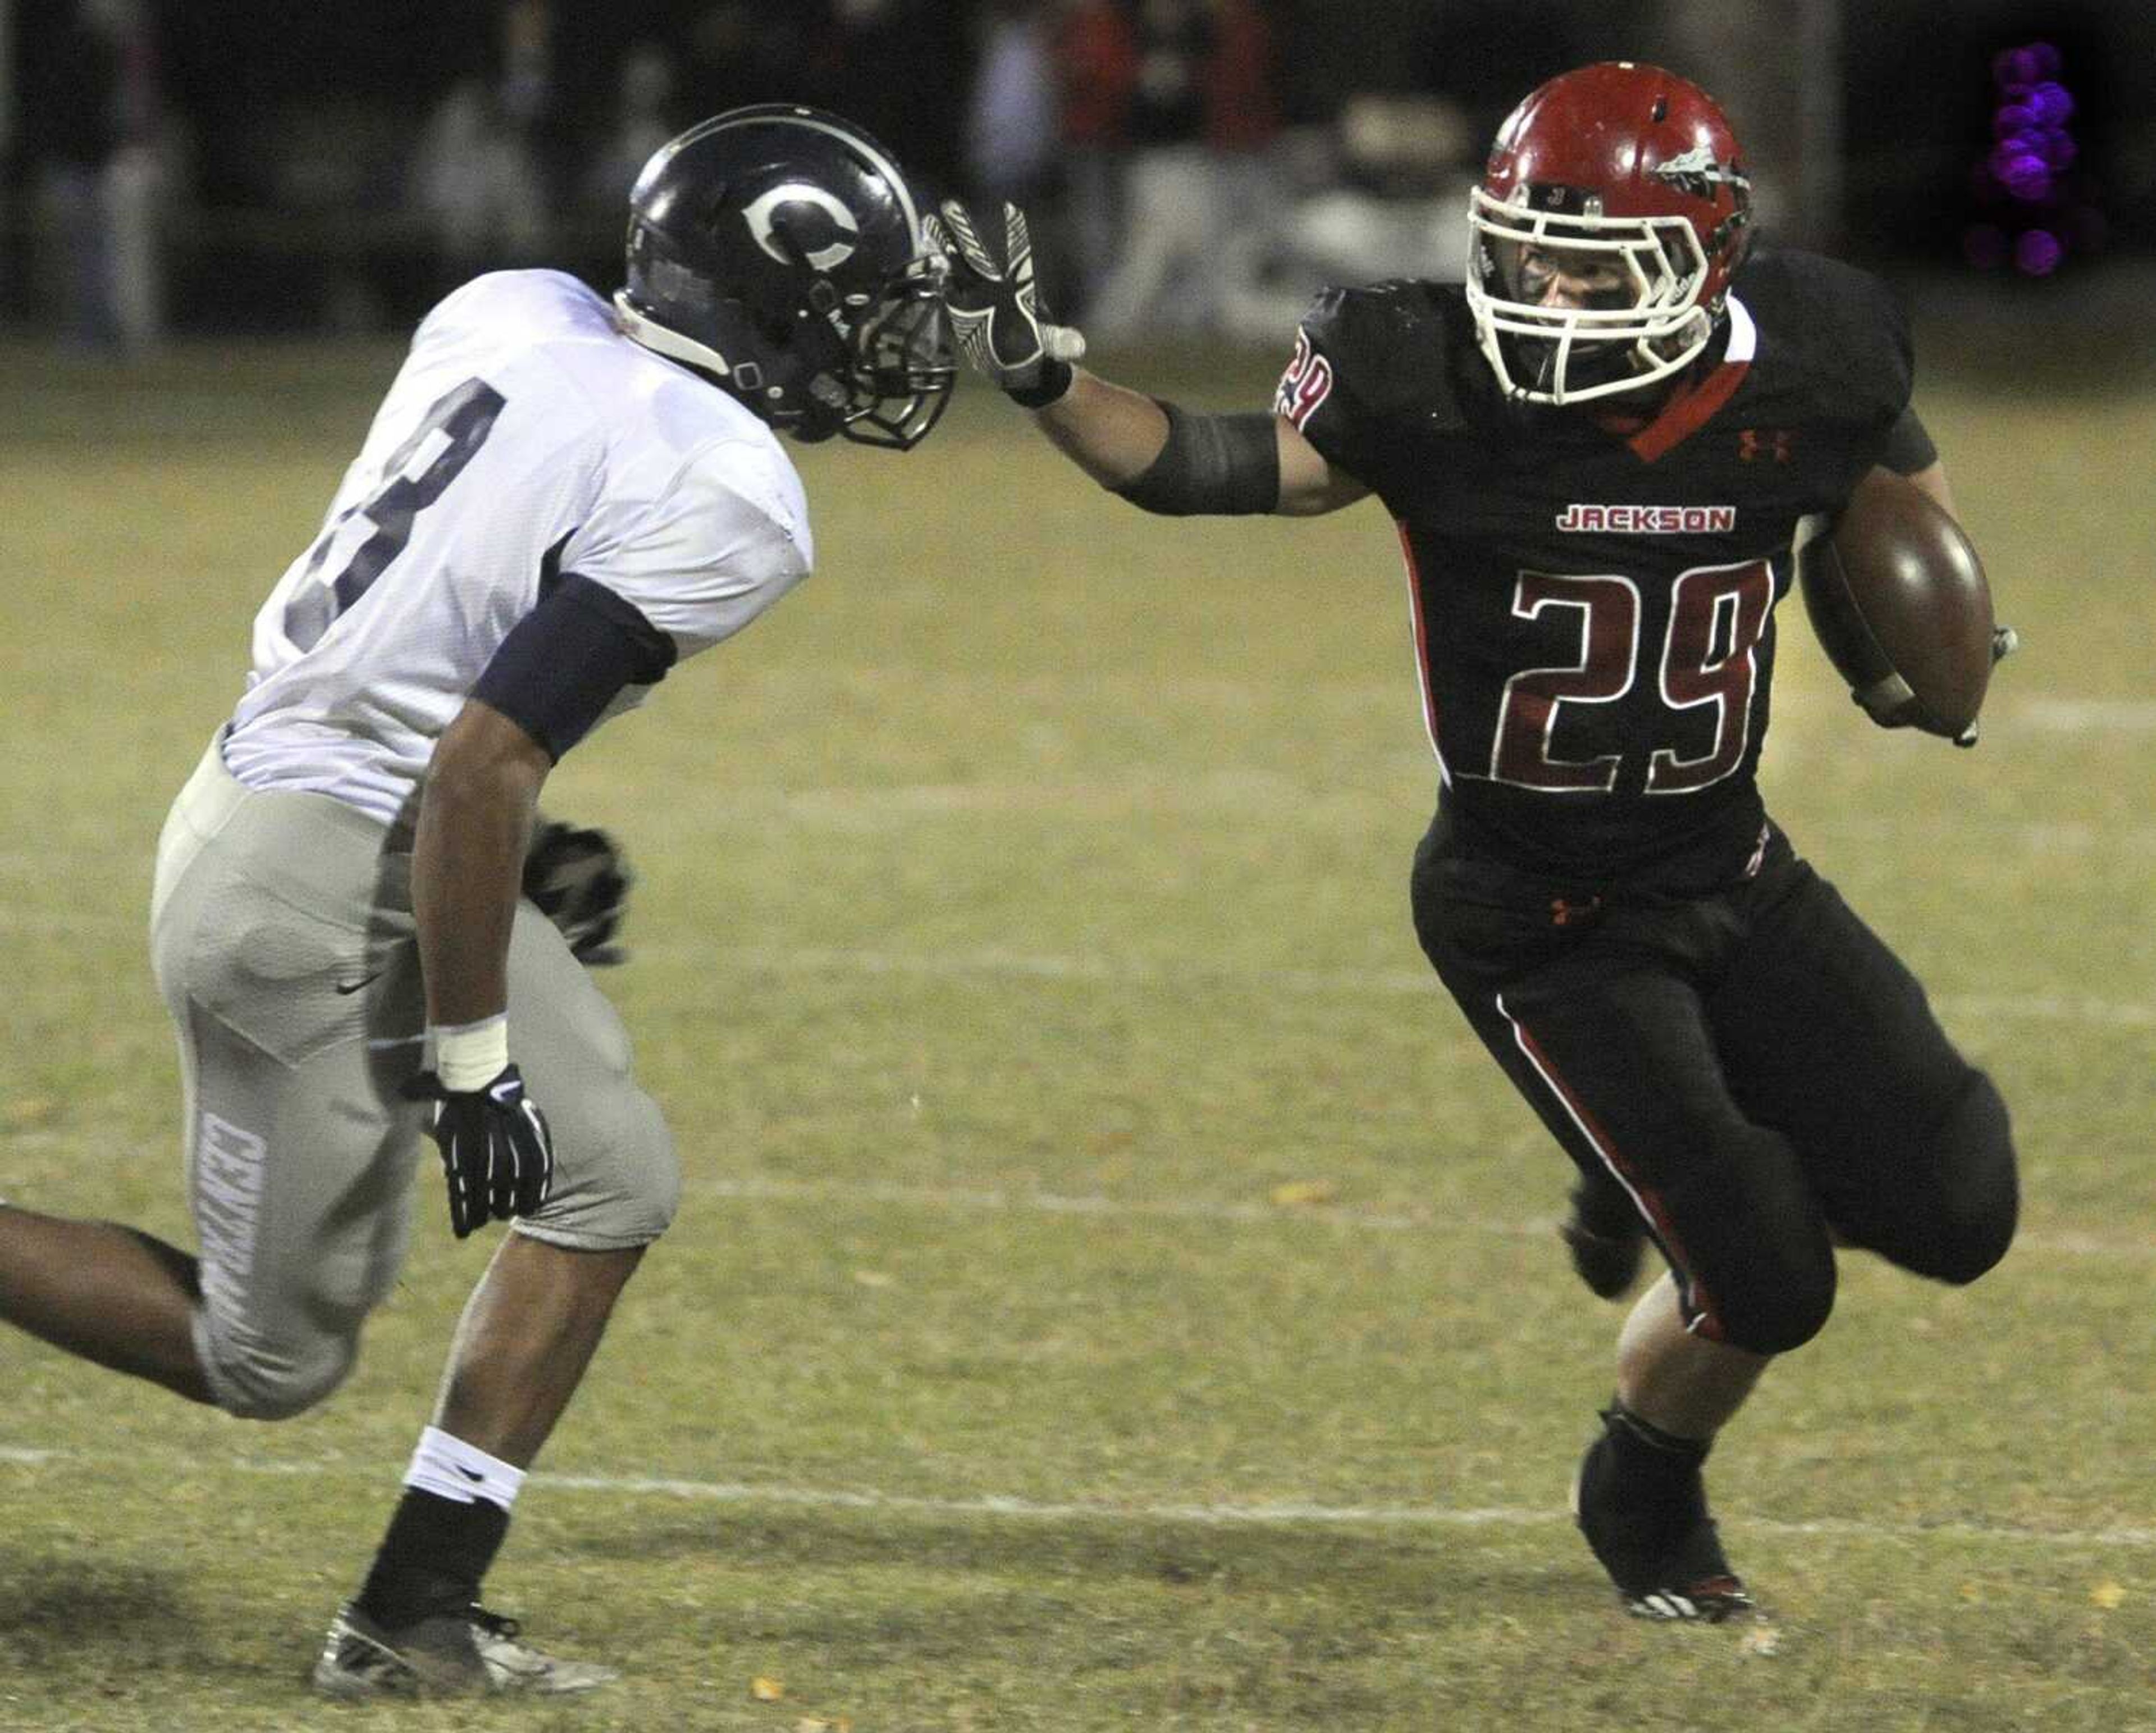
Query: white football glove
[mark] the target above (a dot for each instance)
(2005, 641)
(1002, 328)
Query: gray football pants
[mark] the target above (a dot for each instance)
(282, 935)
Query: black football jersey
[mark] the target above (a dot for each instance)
(1593, 597)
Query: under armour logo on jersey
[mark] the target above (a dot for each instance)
(1697, 173)
(1752, 445)
(795, 221)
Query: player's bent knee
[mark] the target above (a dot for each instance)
(259, 1380)
(647, 1186)
(1782, 1318)
(659, 1187)
(1782, 1324)
(1979, 1194)
(625, 1193)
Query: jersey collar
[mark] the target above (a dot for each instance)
(1694, 403)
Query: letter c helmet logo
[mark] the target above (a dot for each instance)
(824, 231)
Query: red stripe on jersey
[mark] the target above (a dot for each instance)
(1705, 1323)
(1422, 649)
(1689, 410)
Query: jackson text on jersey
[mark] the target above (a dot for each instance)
(1648, 520)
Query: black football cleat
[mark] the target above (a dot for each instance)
(1605, 1240)
(1656, 1541)
(467, 1652)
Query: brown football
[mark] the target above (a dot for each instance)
(1900, 604)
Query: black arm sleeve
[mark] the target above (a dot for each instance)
(1909, 448)
(1224, 465)
(566, 660)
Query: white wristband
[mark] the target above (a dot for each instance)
(470, 1056)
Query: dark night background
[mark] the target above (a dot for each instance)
(297, 121)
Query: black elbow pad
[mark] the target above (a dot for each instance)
(1221, 465)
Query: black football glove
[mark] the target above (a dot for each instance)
(580, 880)
(1002, 328)
(497, 1153)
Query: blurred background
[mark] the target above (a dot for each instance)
(1116, 1290)
(1195, 167)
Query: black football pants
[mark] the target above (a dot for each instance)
(1754, 1068)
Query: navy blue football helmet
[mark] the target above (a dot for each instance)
(779, 251)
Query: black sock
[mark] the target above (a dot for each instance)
(1645, 1452)
(432, 1559)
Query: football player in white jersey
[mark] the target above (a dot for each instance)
(560, 498)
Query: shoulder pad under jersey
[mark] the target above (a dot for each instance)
(1830, 332)
(1367, 358)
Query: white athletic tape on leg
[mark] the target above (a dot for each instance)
(447, 1467)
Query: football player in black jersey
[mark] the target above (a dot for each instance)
(1603, 452)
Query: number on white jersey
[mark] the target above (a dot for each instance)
(462, 418)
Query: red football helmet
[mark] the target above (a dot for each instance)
(1628, 177)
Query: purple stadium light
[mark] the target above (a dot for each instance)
(2052, 103)
(2013, 67)
(2037, 252)
(2031, 149)
(2024, 174)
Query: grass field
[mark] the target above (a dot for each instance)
(1112, 1290)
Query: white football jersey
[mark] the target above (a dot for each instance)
(524, 436)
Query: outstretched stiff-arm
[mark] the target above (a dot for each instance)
(1156, 455)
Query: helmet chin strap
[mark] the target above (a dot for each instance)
(1597, 364)
(810, 425)
(1599, 371)
(662, 340)
(1586, 364)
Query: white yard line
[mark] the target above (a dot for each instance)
(991, 1200)
(2086, 715)
(2069, 1243)
(1373, 983)
(37, 921)
(2044, 1008)
(1293, 1514)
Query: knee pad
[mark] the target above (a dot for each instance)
(1751, 1238)
(256, 1378)
(1780, 1308)
(1971, 1150)
(646, 1179)
(660, 1172)
(625, 1195)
